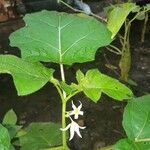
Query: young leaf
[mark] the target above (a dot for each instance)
(51, 36)
(141, 16)
(136, 119)
(41, 136)
(28, 77)
(10, 118)
(94, 83)
(147, 7)
(12, 130)
(4, 138)
(126, 144)
(118, 15)
(69, 89)
(79, 76)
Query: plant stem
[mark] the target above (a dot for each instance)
(111, 50)
(116, 48)
(107, 148)
(80, 11)
(64, 125)
(62, 77)
(144, 28)
(63, 109)
(125, 61)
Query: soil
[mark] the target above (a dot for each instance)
(103, 119)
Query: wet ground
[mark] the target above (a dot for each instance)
(103, 120)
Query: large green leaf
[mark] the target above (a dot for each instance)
(94, 83)
(4, 138)
(28, 77)
(10, 118)
(60, 37)
(41, 136)
(126, 144)
(136, 119)
(118, 15)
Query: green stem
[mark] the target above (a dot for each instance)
(116, 48)
(125, 35)
(125, 61)
(59, 91)
(64, 139)
(64, 125)
(64, 102)
(70, 96)
(107, 148)
(62, 77)
(113, 51)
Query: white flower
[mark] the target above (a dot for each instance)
(74, 127)
(76, 110)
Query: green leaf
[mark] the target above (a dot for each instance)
(13, 130)
(118, 15)
(79, 76)
(69, 89)
(10, 118)
(141, 16)
(147, 7)
(28, 77)
(41, 136)
(94, 83)
(136, 119)
(4, 138)
(132, 82)
(51, 36)
(126, 144)
(136, 9)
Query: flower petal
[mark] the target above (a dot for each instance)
(82, 127)
(81, 113)
(68, 126)
(72, 113)
(73, 106)
(71, 132)
(77, 131)
(80, 106)
(76, 116)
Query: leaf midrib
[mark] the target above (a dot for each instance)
(142, 128)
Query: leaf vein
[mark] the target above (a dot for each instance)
(77, 41)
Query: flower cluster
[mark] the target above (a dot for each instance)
(73, 126)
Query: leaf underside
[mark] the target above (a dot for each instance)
(118, 15)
